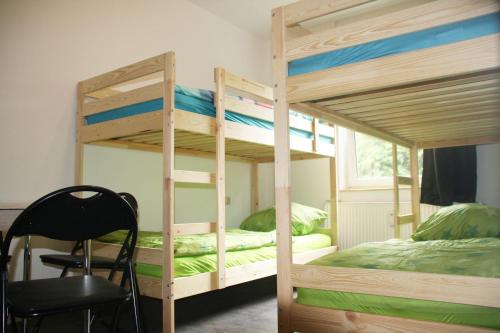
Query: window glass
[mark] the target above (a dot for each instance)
(374, 158)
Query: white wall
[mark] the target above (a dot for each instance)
(310, 183)
(48, 46)
(140, 173)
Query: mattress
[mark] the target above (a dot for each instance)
(427, 38)
(470, 257)
(198, 101)
(195, 254)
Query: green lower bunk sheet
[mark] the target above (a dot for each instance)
(195, 254)
(471, 257)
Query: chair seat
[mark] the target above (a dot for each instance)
(76, 261)
(49, 296)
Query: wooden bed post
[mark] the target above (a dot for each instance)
(415, 190)
(79, 144)
(395, 189)
(254, 187)
(282, 174)
(168, 192)
(220, 152)
(333, 201)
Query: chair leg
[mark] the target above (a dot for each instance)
(38, 325)
(142, 317)
(135, 300)
(13, 323)
(114, 322)
(25, 325)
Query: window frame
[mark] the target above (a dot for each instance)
(351, 167)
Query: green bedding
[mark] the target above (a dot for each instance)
(194, 245)
(472, 257)
(243, 247)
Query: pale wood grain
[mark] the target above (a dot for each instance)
(415, 18)
(138, 69)
(301, 11)
(282, 173)
(425, 286)
(309, 319)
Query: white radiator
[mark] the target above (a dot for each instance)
(361, 222)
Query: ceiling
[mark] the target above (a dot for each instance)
(253, 16)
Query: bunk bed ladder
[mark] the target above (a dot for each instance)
(413, 182)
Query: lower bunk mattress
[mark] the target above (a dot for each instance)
(196, 254)
(470, 257)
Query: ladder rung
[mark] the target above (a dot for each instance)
(194, 177)
(405, 181)
(404, 219)
(194, 228)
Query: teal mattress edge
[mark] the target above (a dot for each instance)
(198, 101)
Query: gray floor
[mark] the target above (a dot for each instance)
(248, 308)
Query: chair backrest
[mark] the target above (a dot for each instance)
(62, 215)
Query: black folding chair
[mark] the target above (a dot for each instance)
(76, 261)
(61, 215)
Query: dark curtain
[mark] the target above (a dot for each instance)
(449, 175)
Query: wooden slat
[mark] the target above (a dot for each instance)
(461, 58)
(123, 99)
(405, 219)
(455, 86)
(246, 87)
(341, 120)
(459, 142)
(416, 18)
(405, 180)
(301, 11)
(312, 319)
(121, 127)
(316, 142)
(420, 90)
(282, 173)
(194, 177)
(425, 286)
(194, 228)
(489, 94)
(141, 68)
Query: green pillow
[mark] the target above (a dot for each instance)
(459, 222)
(304, 220)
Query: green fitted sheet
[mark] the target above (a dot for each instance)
(471, 257)
(243, 247)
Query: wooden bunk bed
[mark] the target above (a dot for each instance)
(170, 129)
(334, 60)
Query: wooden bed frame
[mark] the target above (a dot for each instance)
(173, 131)
(436, 97)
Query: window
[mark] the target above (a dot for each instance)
(369, 161)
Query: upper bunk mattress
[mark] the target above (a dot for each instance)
(198, 101)
(470, 257)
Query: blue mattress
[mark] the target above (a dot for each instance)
(198, 101)
(432, 37)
